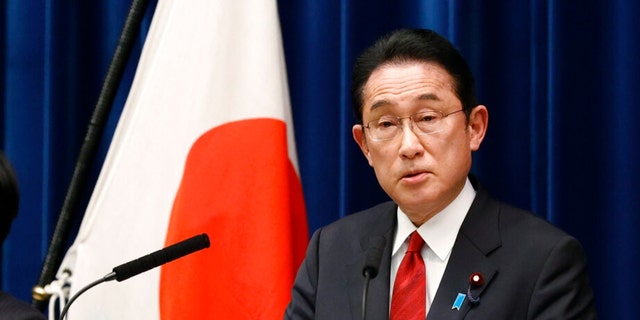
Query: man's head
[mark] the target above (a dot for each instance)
(412, 129)
(9, 197)
(413, 45)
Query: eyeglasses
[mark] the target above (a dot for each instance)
(388, 127)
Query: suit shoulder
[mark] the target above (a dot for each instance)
(533, 236)
(494, 224)
(12, 308)
(374, 220)
(526, 222)
(365, 217)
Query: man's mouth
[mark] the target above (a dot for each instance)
(415, 176)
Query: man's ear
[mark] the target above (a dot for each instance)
(359, 137)
(477, 127)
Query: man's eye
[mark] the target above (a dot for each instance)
(382, 123)
(427, 118)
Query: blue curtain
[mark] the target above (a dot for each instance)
(54, 57)
(558, 77)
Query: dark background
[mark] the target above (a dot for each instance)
(560, 79)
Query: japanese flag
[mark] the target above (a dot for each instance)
(205, 144)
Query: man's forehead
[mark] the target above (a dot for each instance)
(415, 82)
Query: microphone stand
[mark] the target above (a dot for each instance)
(106, 278)
(365, 291)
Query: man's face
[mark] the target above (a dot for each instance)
(421, 173)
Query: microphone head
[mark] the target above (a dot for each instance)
(160, 257)
(373, 256)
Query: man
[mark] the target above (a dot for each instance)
(471, 257)
(10, 307)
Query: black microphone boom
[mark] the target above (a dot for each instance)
(148, 262)
(373, 257)
(371, 265)
(160, 257)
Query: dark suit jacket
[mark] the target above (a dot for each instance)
(14, 309)
(531, 269)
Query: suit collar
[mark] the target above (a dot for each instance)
(479, 235)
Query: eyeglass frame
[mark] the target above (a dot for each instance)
(412, 122)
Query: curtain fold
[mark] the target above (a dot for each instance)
(560, 80)
(54, 58)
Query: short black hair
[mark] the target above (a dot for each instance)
(406, 45)
(9, 197)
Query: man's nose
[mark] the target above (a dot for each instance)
(410, 144)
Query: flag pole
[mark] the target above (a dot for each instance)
(88, 150)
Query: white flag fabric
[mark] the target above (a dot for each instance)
(204, 145)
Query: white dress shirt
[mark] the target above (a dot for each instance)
(439, 234)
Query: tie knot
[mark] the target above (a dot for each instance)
(415, 242)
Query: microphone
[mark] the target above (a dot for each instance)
(146, 263)
(160, 257)
(371, 265)
(373, 257)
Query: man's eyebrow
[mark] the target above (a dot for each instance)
(428, 96)
(379, 103)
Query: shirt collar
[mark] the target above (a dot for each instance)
(439, 232)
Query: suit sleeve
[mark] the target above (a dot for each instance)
(562, 290)
(12, 308)
(303, 294)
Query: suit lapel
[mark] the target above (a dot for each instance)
(479, 235)
(383, 223)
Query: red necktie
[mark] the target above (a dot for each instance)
(410, 287)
